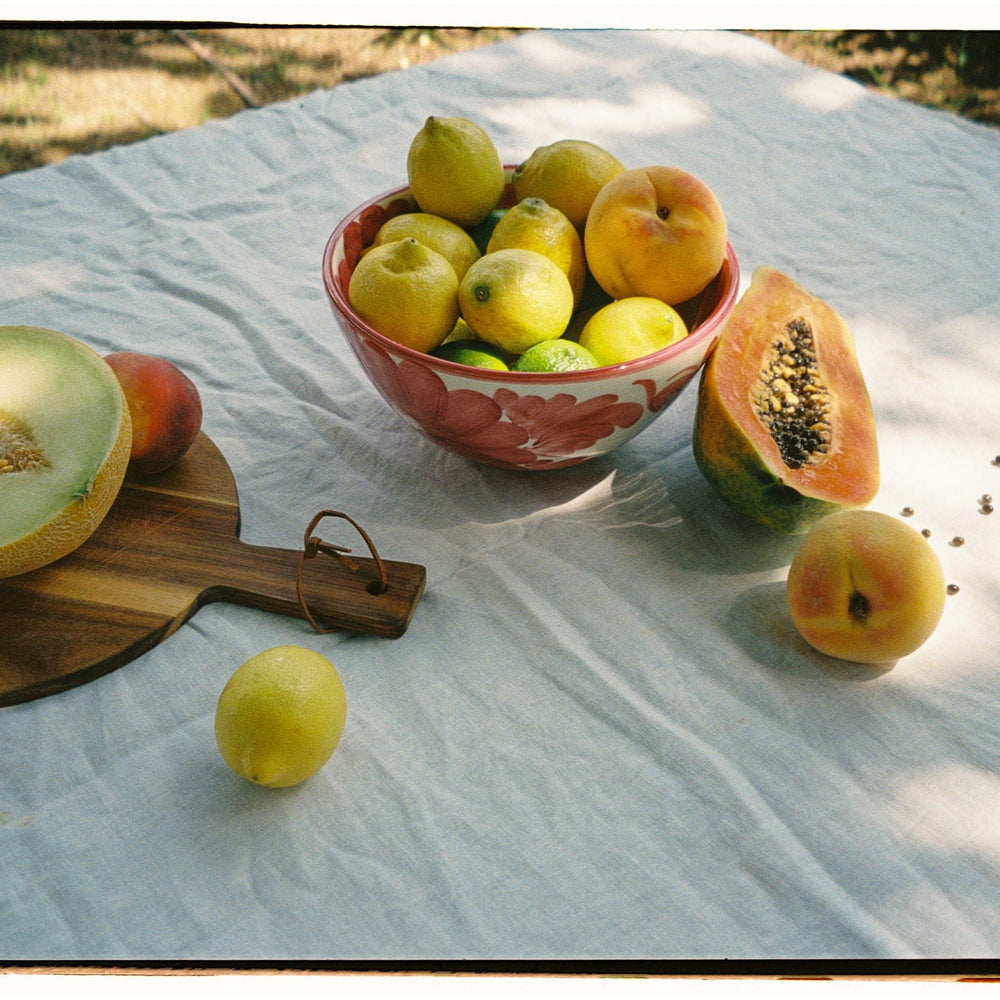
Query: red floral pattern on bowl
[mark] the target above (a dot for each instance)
(516, 420)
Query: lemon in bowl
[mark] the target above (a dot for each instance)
(436, 233)
(515, 298)
(408, 291)
(533, 224)
(454, 170)
(631, 328)
(566, 174)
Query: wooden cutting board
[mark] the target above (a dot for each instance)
(169, 545)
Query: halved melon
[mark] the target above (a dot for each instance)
(65, 440)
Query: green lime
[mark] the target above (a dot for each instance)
(482, 232)
(476, 353)
(555, 356)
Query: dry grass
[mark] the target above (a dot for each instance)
(65, 91)
(955, 71)
(77, 90)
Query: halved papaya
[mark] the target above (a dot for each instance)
(784, 429)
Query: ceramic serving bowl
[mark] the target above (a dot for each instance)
(517, 420)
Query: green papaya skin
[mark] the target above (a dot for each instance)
(743, 481)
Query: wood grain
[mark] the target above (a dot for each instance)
(169, 545)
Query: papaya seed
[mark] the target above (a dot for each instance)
(789, 400)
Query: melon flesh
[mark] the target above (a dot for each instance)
(65, 440)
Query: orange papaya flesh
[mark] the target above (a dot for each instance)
(784, 428)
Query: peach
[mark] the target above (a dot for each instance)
(165, 406)
(657, 232)
(865, 587)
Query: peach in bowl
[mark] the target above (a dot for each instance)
(511, 419)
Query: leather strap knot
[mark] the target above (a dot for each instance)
(313, 545)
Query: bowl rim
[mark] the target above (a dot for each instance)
(707, 330)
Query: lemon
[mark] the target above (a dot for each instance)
(280, 716)
(515, 299)
(533, 224)
(442, 235)
(407, 292)
(454, 170)
(557, 355)
(476, 353)
(460, 331)
(631, 328)
(567, 174)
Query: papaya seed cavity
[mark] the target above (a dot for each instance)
(791, 400)
(18, 450)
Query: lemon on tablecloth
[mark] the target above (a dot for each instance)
(280, 716)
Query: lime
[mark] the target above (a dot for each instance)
(407, 292)
(482, 232)
(515, 298)
(533, 224)
(442, 235)
(567, 174)
(476, 353)
(631, 328)
(555, 356)
(280, 716)
(454, 170)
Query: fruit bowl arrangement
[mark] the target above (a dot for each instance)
(506, 416)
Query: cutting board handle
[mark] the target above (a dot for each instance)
(343, 591)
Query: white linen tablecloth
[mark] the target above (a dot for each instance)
(599, 738)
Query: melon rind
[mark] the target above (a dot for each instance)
(83, 502)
